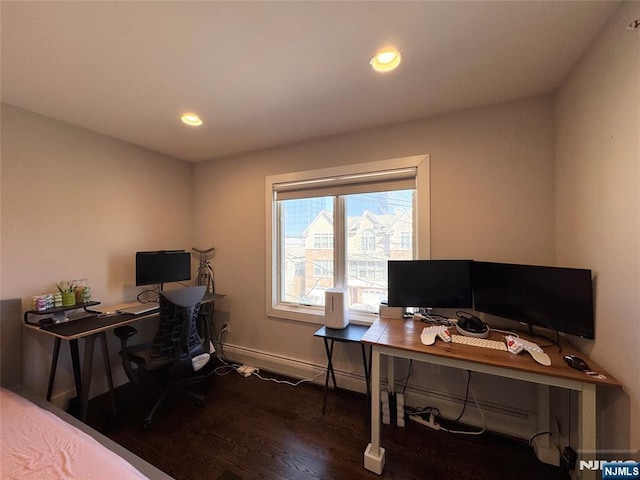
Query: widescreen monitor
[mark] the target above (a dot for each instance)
(560, 299)
(163, 266)
(429, 283)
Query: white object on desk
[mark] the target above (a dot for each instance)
(428, 335)
(391, 312)
(335, 309)
(140, 308)
(479, 342)
(518, 344)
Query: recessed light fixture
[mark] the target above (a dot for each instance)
(386, 60)
(191, 119)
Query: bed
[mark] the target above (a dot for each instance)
(38, 440)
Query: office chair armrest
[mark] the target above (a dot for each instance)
(124, 333)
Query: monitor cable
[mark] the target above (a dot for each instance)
(149, 295)
(484, 422)
(466, 397)
(409, 373)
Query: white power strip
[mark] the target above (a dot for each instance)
(431, 423)
(246, 370)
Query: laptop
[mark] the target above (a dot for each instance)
(140, 308)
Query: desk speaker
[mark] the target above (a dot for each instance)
(335, 308)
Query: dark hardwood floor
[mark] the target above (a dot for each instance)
(252, 429)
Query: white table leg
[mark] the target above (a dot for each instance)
(586, 429)
(374, 454)
(543, 446)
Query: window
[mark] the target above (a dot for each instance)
(322, 268)
(368, 240)
(338, 227)
(322, 240)
(405, 240)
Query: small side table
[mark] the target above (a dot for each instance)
(351, 334)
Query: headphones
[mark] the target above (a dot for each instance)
(472, 326)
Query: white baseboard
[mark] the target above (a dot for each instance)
(508, 421)
(98, 386)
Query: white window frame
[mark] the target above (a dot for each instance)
(422, 230)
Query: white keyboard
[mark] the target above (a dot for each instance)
(516, 345)
(429, 334)
(140, 308)
(479, 342)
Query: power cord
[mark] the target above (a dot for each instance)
(466, 397)
(226, 368)
(537, 435)
(433, 413)
(409, 373)
(484, 422)
(287, 382)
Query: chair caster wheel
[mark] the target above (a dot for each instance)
(146, 425)
(200, 403)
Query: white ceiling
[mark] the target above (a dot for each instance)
(262, 74)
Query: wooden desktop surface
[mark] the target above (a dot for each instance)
(405, 335)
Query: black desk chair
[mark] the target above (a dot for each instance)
(176, 351)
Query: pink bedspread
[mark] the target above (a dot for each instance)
(35, 444)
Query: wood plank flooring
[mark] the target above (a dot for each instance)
(251, 429)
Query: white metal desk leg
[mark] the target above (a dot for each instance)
(374, 454)
(587, 428)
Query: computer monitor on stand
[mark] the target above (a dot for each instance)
(162, 266)
(560, 299)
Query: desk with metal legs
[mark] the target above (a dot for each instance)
(351, 334)
(90, 328)
(401, 338)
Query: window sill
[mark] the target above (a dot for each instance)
(315, 315)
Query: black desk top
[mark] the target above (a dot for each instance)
(83, 325)
(92, 324)
(351, 333)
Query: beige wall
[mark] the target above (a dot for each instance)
(492, 198)
(598, 209)
(78, 205)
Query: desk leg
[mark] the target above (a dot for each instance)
(374, 454)
(391, 374)
(329, 350)
(54, 366)
(107, 369)
(587, 428)
(367, 374)
(87, 365)
(75, 361)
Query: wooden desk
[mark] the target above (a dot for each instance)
(401, 338)
(90, 328)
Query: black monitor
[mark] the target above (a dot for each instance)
(560, 299)
(163, 266)
(429, 283)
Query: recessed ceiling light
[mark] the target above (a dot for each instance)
(191, 119)
(386, 60)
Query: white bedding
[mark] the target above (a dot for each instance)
(36, 444)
